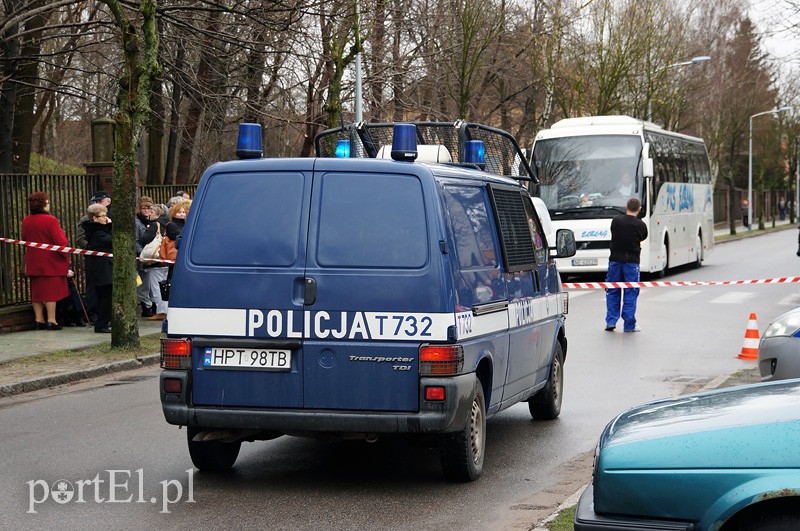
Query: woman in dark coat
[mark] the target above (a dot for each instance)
(99, 269)
(48, 270)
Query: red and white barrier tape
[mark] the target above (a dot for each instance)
(606, 285)
(565, 285)
(72, 250)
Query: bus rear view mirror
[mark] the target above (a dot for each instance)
(565, 243)
(647, 167)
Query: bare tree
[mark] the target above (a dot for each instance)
(140, 70)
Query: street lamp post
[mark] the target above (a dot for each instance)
(750, 165)
(693, 61)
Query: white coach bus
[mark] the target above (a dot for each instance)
(589, 167)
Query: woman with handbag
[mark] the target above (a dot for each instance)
(177, 219)
(155, 272)
(100, 269)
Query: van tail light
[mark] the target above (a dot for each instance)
(441, 360)
(176, 353)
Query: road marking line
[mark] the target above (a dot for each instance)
(733, 297)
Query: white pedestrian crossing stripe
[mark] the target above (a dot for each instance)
(673, 295)
(733, 297)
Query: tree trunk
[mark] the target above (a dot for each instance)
(731, 203)
(140, 72)
(28, 75)
(197, 104)
(174, 116)
(155, 136)
(9, 54)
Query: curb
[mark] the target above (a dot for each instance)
(70, 377)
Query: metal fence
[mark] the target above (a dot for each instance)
(162, 193)
(69, 197)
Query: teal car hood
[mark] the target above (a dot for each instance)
(701, 458)
(749, 426)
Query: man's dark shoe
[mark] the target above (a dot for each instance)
(610, 328)
(102, 330)
(146, 311)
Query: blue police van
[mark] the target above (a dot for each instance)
(364, 294)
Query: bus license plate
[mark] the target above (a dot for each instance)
(248, 358)
(584, 262)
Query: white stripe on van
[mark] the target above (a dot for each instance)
(358, 326)
(205, 321)
(519, 313)
(294, 324)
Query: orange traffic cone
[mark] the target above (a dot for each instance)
(750, 345)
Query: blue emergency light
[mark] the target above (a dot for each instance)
(475, 153)
(249, 143)
(343, 149)
(404, 142)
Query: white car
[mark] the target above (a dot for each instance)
(779, 348)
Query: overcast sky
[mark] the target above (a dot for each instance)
(774, 18)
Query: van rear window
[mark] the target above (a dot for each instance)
(254, 219)
(371, 221)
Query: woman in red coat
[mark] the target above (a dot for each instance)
(47, 270)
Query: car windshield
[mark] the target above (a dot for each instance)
(579, 172)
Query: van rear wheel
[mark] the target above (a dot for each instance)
(546, 404)
(462, 452)
(211, 456)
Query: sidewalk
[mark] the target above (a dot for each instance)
(33, 342)
(723, 229)
(44, 371)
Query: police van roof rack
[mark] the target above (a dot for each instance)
(503, 155)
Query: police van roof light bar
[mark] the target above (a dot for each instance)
(475, 153)
(249, 142)
(343, 149)
(404, 142)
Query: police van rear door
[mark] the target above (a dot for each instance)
(375, 263)
(238, 287)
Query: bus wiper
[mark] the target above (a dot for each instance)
(590, 208)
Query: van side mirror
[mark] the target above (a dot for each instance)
(565, 243)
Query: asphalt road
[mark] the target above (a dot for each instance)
(691, 337)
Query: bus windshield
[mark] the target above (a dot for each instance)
(579, 172)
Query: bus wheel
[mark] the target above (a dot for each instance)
(664, 259)
(698, 244)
